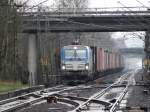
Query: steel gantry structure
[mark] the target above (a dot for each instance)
(88, 20)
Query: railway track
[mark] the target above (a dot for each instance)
(22, 101)
(80, 104)
(19, 102)
(126, 78)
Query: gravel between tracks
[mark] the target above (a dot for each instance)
(140, 95)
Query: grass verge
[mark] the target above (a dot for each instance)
(6, 86)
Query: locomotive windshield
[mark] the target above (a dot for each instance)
(78, 54)
(69, 54)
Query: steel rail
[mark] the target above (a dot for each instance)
(14, 98)
(23, 104)
(118, 101)
(72, 98)
(120, 98)
(98, 94)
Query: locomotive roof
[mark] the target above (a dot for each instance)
(76, 46)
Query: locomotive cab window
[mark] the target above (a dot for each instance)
(82, 54)
(75, 54)
(69, 54)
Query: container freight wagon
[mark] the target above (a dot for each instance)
(85, 62)
(106, 60)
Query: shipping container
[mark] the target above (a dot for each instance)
(100, 59)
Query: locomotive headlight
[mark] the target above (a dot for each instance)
(86, 67)
(63, 67)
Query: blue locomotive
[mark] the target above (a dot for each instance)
(76, 61)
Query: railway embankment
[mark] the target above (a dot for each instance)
(139, 96)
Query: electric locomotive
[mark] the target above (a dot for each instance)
(76, 61)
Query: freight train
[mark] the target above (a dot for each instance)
(79, 62)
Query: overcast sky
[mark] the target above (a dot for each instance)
(111, 3)
(131, 39)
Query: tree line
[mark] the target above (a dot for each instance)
(9, 22)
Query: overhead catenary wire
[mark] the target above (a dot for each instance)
(136, 19)
(142, 4)
(132, 13)
(30, 8)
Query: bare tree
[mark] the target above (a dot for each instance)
(75, 5)
(8, 40)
